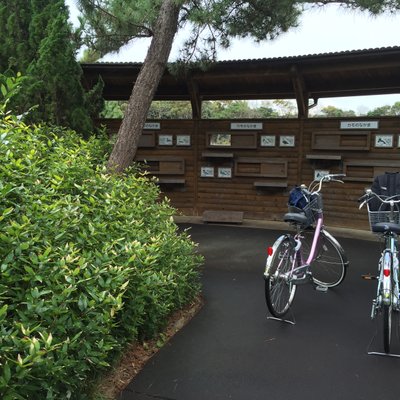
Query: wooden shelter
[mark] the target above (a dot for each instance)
(245, 168)
(304, 78)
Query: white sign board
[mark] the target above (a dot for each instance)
(359, 124)
(246, 126)
(152, 125)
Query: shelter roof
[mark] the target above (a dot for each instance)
(304, 78)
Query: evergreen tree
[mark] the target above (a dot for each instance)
(55, 74)
(15, 49)
(387, 110)
(38, 43)
(334, 112)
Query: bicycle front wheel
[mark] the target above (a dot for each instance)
(330, 262)
(279, 292)
(387, 327)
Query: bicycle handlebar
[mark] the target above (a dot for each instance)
(369, 195)
(316, 185)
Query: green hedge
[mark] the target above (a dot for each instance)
(88, 262)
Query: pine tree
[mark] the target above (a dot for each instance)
(56, 86)
(14, 40)
(43, 51)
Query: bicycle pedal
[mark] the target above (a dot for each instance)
(322, 289)
(369, 277)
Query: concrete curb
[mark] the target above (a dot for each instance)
(281, 226)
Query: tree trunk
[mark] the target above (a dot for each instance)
(125, 148)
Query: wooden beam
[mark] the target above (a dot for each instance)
(194, 94)
(300, 92)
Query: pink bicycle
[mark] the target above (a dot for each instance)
(311, 255)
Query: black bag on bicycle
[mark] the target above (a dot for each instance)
(297, 198)
(386, 185)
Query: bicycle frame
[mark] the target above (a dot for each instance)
(387, 224)
(298, 258)
(318, 228)
(313, 189)
(293, 260)
(387, 292)
(304, 264)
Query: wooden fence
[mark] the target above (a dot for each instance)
(247, 167)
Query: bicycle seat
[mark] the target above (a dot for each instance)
(298, 218)
(383, 227)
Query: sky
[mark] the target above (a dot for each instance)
(321, 30)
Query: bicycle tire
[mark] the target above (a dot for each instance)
(279, 293)
(387, 327)
(330, 264)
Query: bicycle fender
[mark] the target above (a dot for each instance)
(274, 247)
(386, 279)
(339, 246)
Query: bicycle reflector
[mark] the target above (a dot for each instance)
(270, 250)
(386, 264)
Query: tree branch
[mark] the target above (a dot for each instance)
(96, 6)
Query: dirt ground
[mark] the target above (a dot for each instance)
(137, 355)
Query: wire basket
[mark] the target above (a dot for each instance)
(383, 216)
(310, 210)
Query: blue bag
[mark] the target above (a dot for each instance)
(297, 198)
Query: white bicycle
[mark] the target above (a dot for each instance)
(385, 221)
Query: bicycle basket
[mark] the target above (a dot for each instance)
(300, 203)
(383, 216)
(311, 210)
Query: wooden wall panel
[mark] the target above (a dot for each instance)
(172, 158)
(357, 154)
(256, 172)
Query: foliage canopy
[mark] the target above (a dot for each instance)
(240, 109)
(111, 24)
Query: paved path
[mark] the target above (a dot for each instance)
(230, 350)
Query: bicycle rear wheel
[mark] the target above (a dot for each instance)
(279, 293)
(387, 327)
(330, 263)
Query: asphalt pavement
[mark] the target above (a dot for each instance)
(231, 350)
